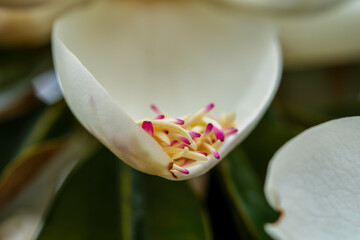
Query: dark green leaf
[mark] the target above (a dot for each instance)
(87, 205)
(169, 210)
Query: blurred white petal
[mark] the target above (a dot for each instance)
(314, 181)
(47, 88)
(285, 4)
(114, 59)
(331, 36)
(326, 36)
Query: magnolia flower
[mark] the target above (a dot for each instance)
(314, 182)
(311, 32)
(115, 59)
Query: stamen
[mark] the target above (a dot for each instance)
(212, 150)
(159, 117)
(148, 127)
(203, 153)
(163, 137)
(198, 129)
(193, 118)
(156, 109)
(163, 124)
(227, 120)
(180, 154)
(195, 156)
(230, 131)
(219, 133)
(176, 121)
(179, 169)
(173, 142)
(209, 107)
(217, 144)
(173, 150)
(181, 137)
(194, 134)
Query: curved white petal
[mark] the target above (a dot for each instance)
(285, 4)
(28, 23)
(314, 180)
(114, 59)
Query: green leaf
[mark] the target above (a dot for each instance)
(38, 126)
(23, 64)
(27, 145)
(86, 207)
(246, 193)
(170, 210)
(17, 69)
(104, 199)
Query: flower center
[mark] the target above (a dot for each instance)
(190, 139)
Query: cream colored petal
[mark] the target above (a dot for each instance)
(114, 59)
(293, 5)
(29, 23)
(314, 180)
(330, 36)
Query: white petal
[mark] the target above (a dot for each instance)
(114, 59)
(285, 4)
(25, 23)
(330, 36)
(46, 87)
(315, 181)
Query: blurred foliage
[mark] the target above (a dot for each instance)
(93, 204)
(17, 69)
(104, 199)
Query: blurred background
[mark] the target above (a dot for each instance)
(58, 182)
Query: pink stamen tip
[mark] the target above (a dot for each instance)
(203, 153)
(166, 131)
(209, 128)
(216, 154)
(194, 134)
(173, 142)
(160, 116)
(155, 109)
(178, 121)
(230, 130)
(185, 140)
(219, 134)
(184, 171)
(148, 127)
(209, 107)
(182, 145)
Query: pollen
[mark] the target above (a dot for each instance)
(191, 139)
